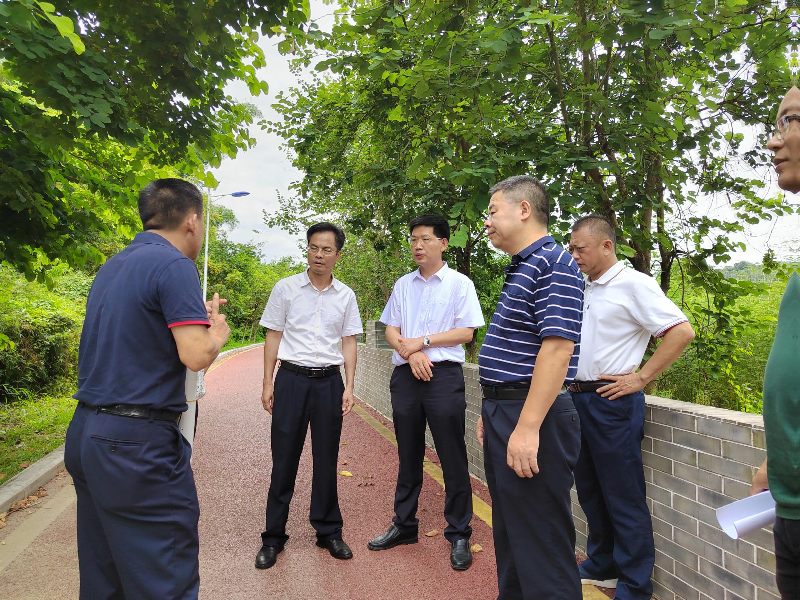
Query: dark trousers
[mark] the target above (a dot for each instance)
(609, 478)
(534, 534)
(137, 508)
(787, 557)
(442, 403)
(299, 401)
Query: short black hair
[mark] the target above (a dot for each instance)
(325, 226)
(441, 228)
(164, 203)
(524, 187)
(600, 227)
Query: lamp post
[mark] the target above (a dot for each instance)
(208, 229)
(195, 381)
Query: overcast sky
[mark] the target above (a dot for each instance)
(266, 170)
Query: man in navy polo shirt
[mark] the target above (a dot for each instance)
(146, 322)
(528, 426)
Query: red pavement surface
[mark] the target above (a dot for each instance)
(232, 466)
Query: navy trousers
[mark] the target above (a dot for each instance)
(137, 508)
(534, 534)
(442, 403)
(787, 557)
(609, 478)
(299, 401)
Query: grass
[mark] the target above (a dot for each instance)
(30, 429)
(235, 341)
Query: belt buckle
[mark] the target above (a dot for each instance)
(316, 372)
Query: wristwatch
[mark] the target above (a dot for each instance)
(426, 341)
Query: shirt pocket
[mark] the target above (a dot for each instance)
(519, 314)
(442, 313)
(333, 317)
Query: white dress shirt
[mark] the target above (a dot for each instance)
(312, 321)
(621, 310)
(447, 300)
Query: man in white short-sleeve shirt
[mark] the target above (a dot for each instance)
(307, 315)
(622, 309)
(430, 313)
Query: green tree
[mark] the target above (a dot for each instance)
(96, 97)
(237, 272)
(632, 109)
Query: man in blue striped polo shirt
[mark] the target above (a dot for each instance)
(528, 426)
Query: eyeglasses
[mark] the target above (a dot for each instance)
(327, 250)
(783, 125)
(425, 240)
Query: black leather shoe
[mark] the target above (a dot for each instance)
(267, 556)
(393, 537)
(460, 555)
(337, 548)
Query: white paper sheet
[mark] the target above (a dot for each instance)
(195, 388)
(748, 514)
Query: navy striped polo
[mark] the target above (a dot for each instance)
(542, 296)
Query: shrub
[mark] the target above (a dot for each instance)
(44, 330)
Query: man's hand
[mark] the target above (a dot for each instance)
(421, 366)
(408, 346)
(209, 304)
(219, 329)
(622, 386)
(268, 396)
(479, 431)
(348, 400)
(760, 482)
(523, 449)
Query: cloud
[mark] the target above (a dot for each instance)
(266, 169)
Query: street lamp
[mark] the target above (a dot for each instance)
(208, 229)
(195, 381)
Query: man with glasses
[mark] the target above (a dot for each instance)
(528, 427)
(782, 382)
(307, 315)
(430, 313)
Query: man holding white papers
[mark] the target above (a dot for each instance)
(622, 308)
(145, 324)
(782, 379)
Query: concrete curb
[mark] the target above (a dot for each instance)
(25, 483)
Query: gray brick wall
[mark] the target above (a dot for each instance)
(696, 458)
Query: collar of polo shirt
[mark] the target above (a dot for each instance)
(612, 272)
(528, 250)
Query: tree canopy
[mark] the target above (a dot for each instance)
(100, 97)
(637, 110)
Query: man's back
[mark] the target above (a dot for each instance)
(128, 354)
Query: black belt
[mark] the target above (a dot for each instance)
(139, 412)
(441, 363)
(582, 387)
(311, 371)
(509, 392)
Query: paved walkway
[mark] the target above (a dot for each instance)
(38, 558)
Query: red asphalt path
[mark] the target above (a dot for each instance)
(38, 550)
(232, 465)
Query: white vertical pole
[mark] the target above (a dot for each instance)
(194, 380)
